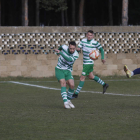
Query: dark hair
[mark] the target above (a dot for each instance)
(72, 43)
(90, 31)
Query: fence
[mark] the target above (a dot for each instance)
(41, 42)
(45, 43)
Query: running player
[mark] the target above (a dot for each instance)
(87, 44)
(68, 55)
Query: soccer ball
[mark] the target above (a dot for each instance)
(94, 54)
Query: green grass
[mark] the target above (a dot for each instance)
(31, 113)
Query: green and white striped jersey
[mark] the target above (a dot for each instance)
(87, 46)
(66, 64)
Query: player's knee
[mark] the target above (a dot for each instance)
(91, 77)
(63, 83)
(72, 86)
(82, 78)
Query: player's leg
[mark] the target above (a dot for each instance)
(61, 78)
(97, 79)
(130, 73)
(135, 72)
(80, 86)
(70, 82)
(70, 92)
(64, 93)
(85, 72)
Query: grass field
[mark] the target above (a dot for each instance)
(35, 112)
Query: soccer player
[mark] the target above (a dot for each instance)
(87, 44)
(68, 55)
(130, 73)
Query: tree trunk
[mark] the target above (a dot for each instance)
(3, 15)
(66, 16)
(81, 12)
(24, 12)
(37, 12)
(62, 18)
(0, 12)
(73, 12)
(110, 13)
(124, 12)
(119, 15)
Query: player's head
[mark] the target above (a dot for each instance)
(72, 46)
(90, 35)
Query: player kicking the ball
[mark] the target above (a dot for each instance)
(68, 55)
(87, 45)
(130, 73)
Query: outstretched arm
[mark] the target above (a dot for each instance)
(60, 48)
(68, 58)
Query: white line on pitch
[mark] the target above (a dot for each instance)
(60, 89)
(126, 80)
(32, 85)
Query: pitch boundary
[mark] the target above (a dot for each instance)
(126, 80)
(32, 85)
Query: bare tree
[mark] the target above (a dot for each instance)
(73, 12)
(110, 13)
(24, 12)
(81, 12)
(37, 12)
(62, 18)
(66, 17)
(0, 12)
(124, 12)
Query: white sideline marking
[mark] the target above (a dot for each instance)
(33, 85)
(60, 89)
(126, 80)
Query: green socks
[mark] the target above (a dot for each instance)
(64, 94)
(98, 80)
(81, 84)
(70, 93)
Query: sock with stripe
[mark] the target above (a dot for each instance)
(70, 93)
(64, 94)
(81, 84)
(98, 80)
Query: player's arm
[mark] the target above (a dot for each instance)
(80, 45)
(78, 49)
(101, 51)
(102, 54)
(68, 58)
(60, 48)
